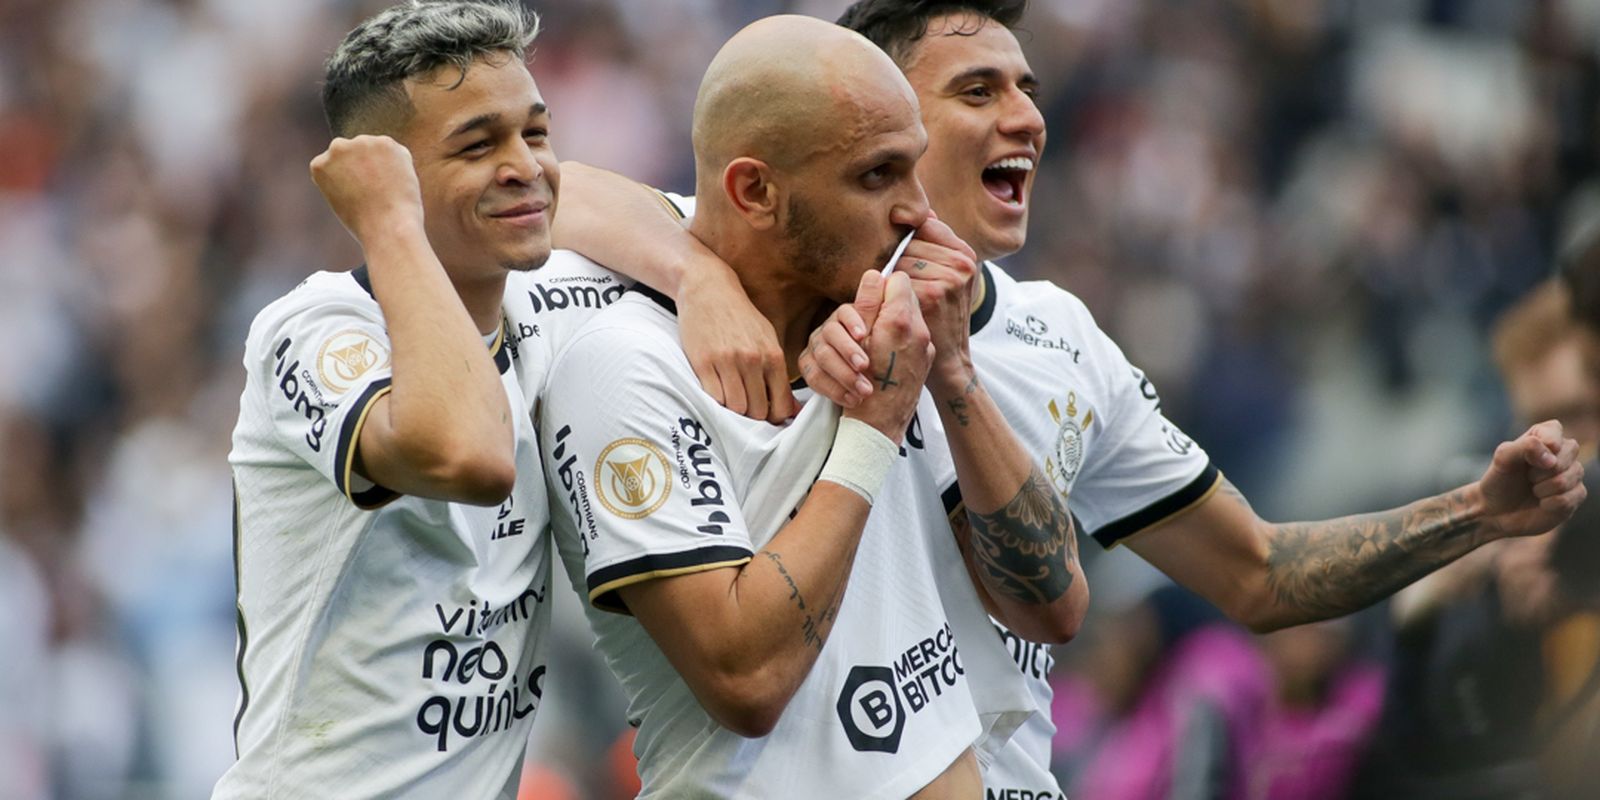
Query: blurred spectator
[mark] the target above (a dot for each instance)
(1494, 654)
(1324, 709)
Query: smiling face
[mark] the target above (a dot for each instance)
(985, 133)
(487, 173)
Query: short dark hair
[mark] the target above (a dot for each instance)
(897, 25)
(414, 38)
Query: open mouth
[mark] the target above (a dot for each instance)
(1005, 178)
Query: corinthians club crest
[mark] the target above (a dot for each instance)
(1063, 464)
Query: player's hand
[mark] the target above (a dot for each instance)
(942, 269)
(835, 361)
(899, 351)
(732, 347)
(371, 184)
(1534, 483)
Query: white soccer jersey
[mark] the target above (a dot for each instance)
(1094, 422)
(651, 478)
(388, 645)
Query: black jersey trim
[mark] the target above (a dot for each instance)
(985, 310)
(1191, 495)
(502, 354)
(239, 627)
(364, 280)
(603, 583)
(349, 437)
(656, 297)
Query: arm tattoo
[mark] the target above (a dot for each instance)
(1023, 550)
(958, 405)
(1318, 570)
(812, 629)
(887, 378)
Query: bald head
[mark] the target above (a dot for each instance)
(790, 88)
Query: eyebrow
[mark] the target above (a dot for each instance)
(484, 120)
(992, 75)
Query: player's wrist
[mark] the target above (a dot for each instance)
(398, 228)
(861, 458)
(951, 374)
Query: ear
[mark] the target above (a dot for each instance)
(749, 185)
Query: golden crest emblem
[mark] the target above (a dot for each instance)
(631, 478)
(1063, 464)
(346, 356)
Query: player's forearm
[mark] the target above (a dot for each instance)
(782, 607)
(447, 406)
(651, 246)
(1019, 537)
(1318, 570)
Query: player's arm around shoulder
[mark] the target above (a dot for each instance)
(444, 430)
(730, 345)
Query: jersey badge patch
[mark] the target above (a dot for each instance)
(1067, 456)
(633, 478)
(346, 356)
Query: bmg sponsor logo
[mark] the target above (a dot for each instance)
(876, 701)
(556, 298)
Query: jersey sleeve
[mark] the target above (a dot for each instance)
(322, 369)
(642, 482)
(1143, 470)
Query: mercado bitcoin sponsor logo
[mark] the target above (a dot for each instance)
(346, 356)
(876, 701)
(631, 478)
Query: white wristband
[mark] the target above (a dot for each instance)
(860, 459)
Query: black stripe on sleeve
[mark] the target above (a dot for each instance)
(1161, 510)
(952, 498)
(349, 436)
(603, 583)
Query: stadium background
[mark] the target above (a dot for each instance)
(1300, 216)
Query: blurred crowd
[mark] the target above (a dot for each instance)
(1304, 218)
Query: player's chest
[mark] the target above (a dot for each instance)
(1047, 387)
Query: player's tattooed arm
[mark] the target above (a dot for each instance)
(1015, 533)
(1270, 576)
(816, 622)
(1317, 570)
(1027, 550)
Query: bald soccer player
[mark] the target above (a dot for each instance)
(779, 637)
(1134, 478)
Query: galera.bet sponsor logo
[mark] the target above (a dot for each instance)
(632, 478)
